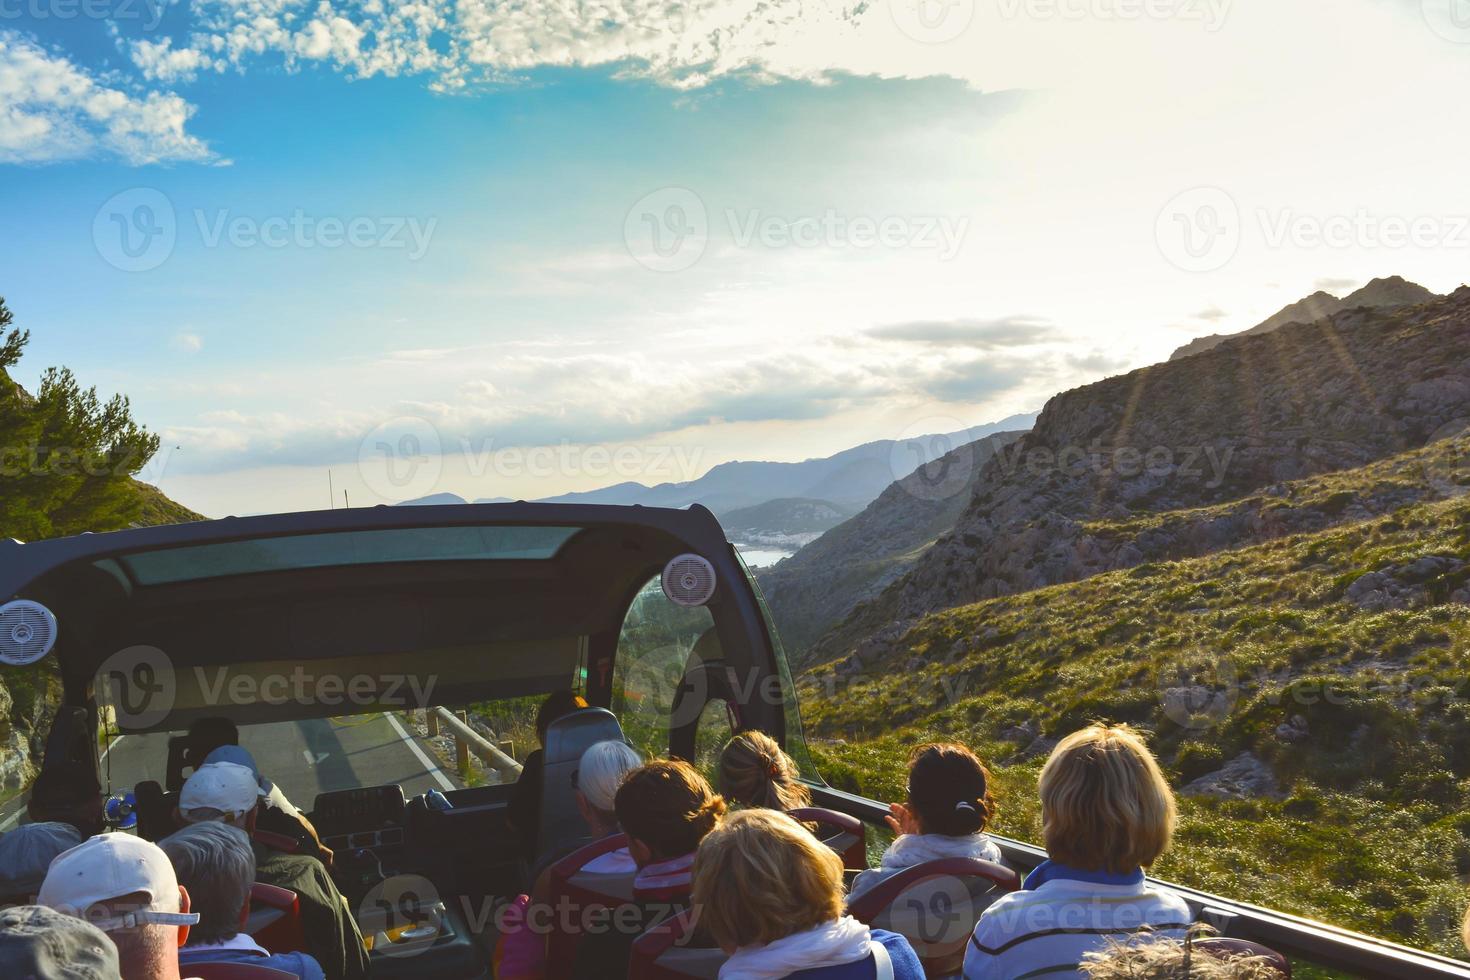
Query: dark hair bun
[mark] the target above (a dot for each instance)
(949, 790)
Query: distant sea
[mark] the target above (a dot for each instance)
(759, 556)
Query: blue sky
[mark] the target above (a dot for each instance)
(747, 231)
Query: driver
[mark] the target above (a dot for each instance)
(230, 794)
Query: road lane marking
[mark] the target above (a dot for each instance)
(315, 760)
(413, 746)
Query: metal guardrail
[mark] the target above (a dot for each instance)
(469, 742)
(1312, 942)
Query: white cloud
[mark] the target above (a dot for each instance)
(188, 343)
(50, 109)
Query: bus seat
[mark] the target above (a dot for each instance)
(935, 906)
(663, 953)
(571, 887)
(275, 919)
(843, 833)
(236, 971)
(1223, 948)
(155, 810)
(566, 739)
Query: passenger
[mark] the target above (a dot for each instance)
(126, 887)
(596, 780)
(949, 806)
(38, 943)
(1167, 959)
(25, 854)
(215, 863)
(524, 810)
(755, 772)
(277, 814)
(71, 794)
(226, 793)
(205, 735)
(771, 897)
(1106, 814)
(666, 809)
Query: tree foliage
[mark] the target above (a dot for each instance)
(67, 458)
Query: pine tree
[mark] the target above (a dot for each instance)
(67, 459)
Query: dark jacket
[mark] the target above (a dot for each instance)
(331, 928)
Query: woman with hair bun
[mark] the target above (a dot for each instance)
(755, 772)
(948, 808)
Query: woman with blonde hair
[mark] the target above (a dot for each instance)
(771, 896)
(755, 772)
(1107, 813)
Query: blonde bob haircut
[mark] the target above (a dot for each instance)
(1105, 805)
(760, 876)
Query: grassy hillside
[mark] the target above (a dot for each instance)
(1350, 694)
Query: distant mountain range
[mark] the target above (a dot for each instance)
(842, 484)
(1388, 293)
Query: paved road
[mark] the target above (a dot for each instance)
(304, 758)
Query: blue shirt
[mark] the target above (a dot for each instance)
(243, 949)
(906, 964)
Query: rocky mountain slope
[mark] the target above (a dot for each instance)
(1256, 411)
(1393, 291)
(1307, 694)
(854, 561)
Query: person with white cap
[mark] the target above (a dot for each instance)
(277, 813)
(226, 793)
(43, 944)
(126, 887)
(25, 854)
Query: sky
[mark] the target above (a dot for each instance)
(516, 249)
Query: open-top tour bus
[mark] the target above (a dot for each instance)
(325, 636)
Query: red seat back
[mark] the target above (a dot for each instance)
(664, 953)
(236, 971)
(570, 887)
(935, 906)
(1224, 948)
(275, 919)
(844, 833)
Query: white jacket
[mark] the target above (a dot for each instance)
(911, 849)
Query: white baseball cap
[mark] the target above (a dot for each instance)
(110, 866)
(225, 787)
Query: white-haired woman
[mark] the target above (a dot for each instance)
(596, 780)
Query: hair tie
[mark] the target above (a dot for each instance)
(964, 805)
